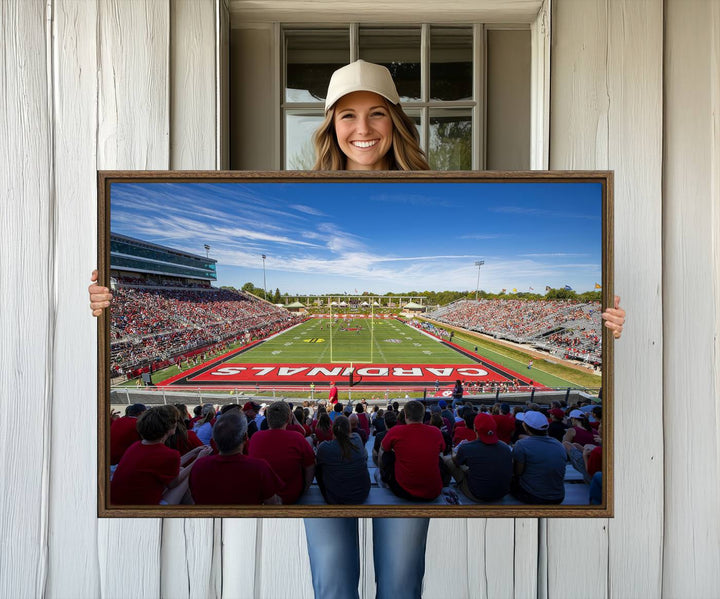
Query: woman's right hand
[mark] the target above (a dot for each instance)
(99, 296)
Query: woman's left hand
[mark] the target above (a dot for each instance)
(615, 318)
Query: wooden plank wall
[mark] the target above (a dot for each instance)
(606, 112)
(635, 87)
(692, 302)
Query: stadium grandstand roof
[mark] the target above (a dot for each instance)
(136, 255)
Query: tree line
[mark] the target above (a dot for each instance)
(439, 298)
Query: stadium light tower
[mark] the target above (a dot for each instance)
(478, 263)
(264, 282)
(207, 250)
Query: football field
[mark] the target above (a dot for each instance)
(371, 350)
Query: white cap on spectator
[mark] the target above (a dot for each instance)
(536, 420)
(577, 414)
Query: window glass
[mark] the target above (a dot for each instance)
(451, 63)
(398, 50)
(310, 59)
(450, 146)
(299, 149)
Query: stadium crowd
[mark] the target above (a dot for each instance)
(253, 454)
(566, 328)
(152, 326)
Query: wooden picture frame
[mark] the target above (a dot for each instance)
(574, 209)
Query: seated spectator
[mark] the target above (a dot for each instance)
(196, 417)
(323, 429)
(538, 463)
(410, 457)
(363, 420)
(294, 424)
(378, 422)
(390, 419)
(505, 422)
(123, 432)
(342, 472)
(580, 430)
(183, 440)
(437, 421)
(482, 467)
(300, 419)
(355, 427)
(519, 415)
(465, 432)
(447, 416)
(287, 452)
(182, 408)
(251, 411)
(557, 426)
(203, 427)
(336, 411)
(232, 478)
(150, 473)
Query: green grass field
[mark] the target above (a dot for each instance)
(375, 341)
(381, 341)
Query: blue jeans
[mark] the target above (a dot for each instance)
(398, 553)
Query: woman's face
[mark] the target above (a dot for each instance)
(364, 130)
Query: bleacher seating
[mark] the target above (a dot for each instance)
(568, 329)
(155, 323)
(576, 491)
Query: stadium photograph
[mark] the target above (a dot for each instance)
(361, 300)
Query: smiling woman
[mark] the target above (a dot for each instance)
(364, 131)
(363, 117)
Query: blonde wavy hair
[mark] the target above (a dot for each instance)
(404, 155)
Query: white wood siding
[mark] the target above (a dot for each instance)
(692, 304)
(606, 112)
(635, 87)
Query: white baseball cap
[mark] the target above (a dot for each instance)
(361, 76)
(536, 420)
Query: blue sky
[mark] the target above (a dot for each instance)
(376, 237)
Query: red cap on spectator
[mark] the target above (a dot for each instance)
(250, 405)
(486, 428)
(557, 412)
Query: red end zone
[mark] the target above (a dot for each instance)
(365, 374)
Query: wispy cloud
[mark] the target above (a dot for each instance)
(524, 211)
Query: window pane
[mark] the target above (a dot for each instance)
(414, 115)
(299, 150)
(451, 56)
(311, 57)
(399, 51)
(450, 145)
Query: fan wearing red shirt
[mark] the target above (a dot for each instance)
(123, 432)
(410, 456)
(288, 453)
(467, 432)
(505, 422)
(149, 472)
(232, 478)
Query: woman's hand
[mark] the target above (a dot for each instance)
(615, 318)
(99, 296)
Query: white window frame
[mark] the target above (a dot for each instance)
(476, 106)
(540, 75)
